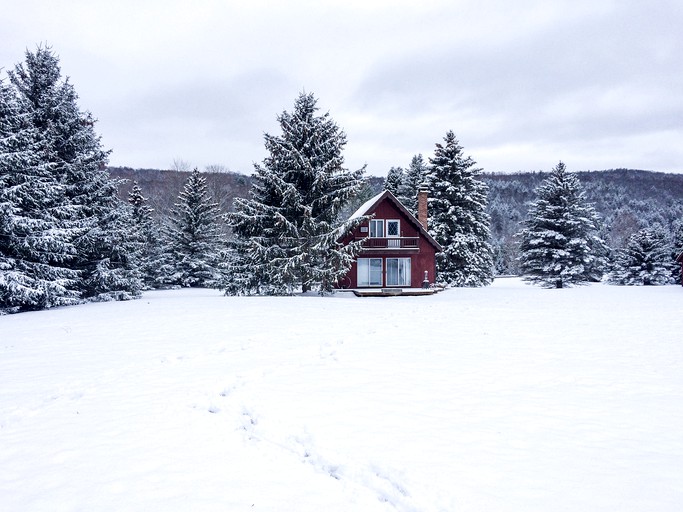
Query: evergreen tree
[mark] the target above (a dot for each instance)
(36, 237)
(194, 241)
(109, 256)
(365, 192)
(148, 232)
(413, 178)
(104, 253)
(646, 259)
(142, 213)
(287, 232)
(458, 218)
(677, 248)
(394, 180)
(559, 243)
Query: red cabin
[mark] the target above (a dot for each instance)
(397, 250)
(680, 261)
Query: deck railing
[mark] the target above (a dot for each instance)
(390, 243)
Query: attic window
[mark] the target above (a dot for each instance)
(393, 228)
(377, 228)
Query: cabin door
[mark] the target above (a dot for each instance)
(398, 271)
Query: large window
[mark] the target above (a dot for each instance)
(369, 271)
(377, 228)
(398, 271)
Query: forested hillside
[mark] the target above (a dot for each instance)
(626, 200)
(161, 187)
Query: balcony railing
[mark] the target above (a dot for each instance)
(390, 243)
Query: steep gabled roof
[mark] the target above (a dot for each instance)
(371, 204)
(367, 205)
(680, 258)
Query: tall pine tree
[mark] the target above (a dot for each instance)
(413, 178)
(194, 240)
(36, 235)
(287, 232)
(147, 230)
(677, 249)
(458, 218)
(104, 253)
(394, 180)
(559, 244)
(646, 259)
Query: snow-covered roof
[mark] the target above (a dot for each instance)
(366, 205)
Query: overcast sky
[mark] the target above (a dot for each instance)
(597, 84)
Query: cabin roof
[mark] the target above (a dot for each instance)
(371, 204)
(367, 205)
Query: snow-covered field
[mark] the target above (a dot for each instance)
(505, 398)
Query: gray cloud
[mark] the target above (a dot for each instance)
(522, 84)
(609, 76)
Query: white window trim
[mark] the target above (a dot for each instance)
(393, 240)
(376, 221)
(408, 274)
(398, 228)
(367, 283)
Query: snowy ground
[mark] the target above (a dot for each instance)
(506, 398)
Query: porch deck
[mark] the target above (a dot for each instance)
(393, 292)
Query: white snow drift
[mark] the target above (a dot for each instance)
(506, 398)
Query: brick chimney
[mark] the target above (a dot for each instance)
(422, 206)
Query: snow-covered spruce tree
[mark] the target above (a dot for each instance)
(194, 240)
(104, 253)
(559, 243)
(646, 259)
(148, 232)
(36, 237)
(394, 180)
(286, 234)
(113, 249)
(458, 218)
(413, 178)
(677, 248)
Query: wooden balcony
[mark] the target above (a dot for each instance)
(373, 243)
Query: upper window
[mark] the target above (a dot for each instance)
(393, 228)
(377, 228)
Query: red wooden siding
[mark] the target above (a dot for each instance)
(411, 243)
